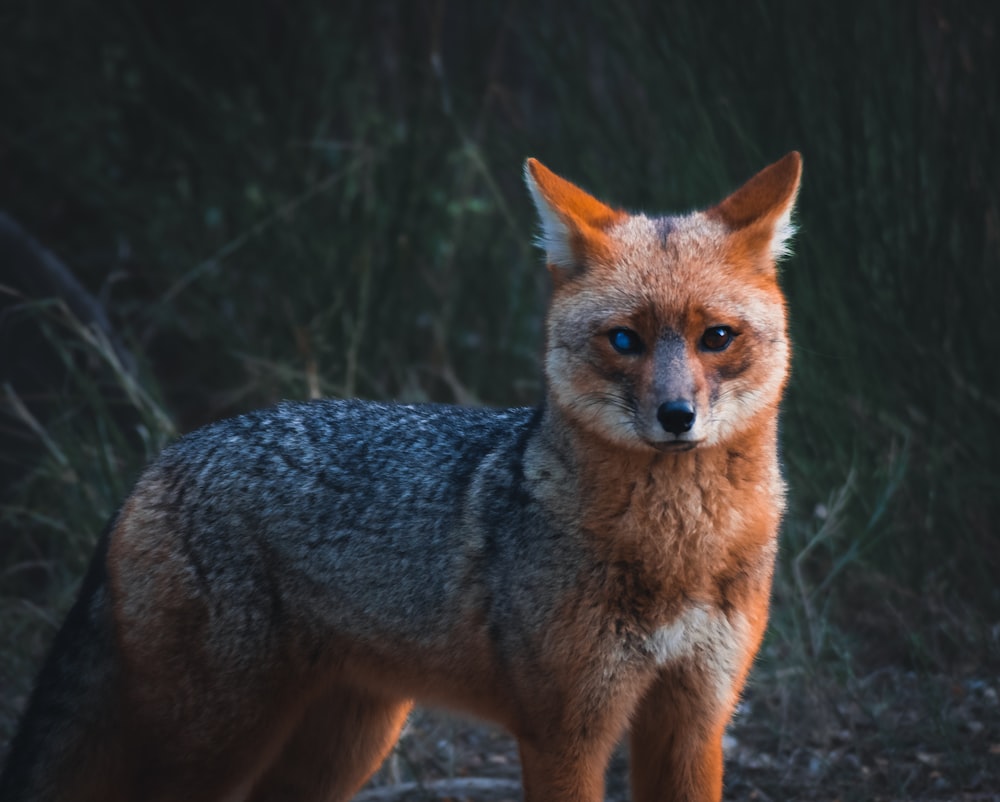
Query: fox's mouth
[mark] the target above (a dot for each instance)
(674, 445)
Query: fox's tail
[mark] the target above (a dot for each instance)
(62, 745)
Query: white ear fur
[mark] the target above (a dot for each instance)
(784, 230)
(554, 235)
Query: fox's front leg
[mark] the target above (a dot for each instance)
(556, 771)
(676, 739)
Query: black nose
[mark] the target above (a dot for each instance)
(676, 417)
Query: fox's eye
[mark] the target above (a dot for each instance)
(717, 338)
(625, 341)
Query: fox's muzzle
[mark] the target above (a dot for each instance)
(674, 384)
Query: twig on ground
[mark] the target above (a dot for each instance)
(478, 787)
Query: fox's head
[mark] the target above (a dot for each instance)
(667, 332)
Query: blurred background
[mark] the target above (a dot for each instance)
(208, 207)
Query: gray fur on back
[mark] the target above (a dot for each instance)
(351, 509)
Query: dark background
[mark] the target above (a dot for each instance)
(272, 200)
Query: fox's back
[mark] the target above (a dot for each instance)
(294, 474)
(346, 516)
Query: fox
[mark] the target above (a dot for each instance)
(280, 588)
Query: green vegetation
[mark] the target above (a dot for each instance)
(326, 198)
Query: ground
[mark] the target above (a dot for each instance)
(891, 735)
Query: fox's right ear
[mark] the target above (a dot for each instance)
(573, 222)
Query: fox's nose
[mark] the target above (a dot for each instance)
(676, 417)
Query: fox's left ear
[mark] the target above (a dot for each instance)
(760, 212)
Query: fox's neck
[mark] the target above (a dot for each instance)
(634, 494)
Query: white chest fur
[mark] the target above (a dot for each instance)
(715, 643)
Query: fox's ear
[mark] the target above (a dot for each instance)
(573, 222)
(760, 212)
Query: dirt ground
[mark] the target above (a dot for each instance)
(889, 736)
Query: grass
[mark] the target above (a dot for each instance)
(107, 424)
(285, 203)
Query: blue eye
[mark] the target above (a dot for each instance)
(625, 341)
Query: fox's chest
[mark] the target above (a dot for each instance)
(712, 642)
(696, 610)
